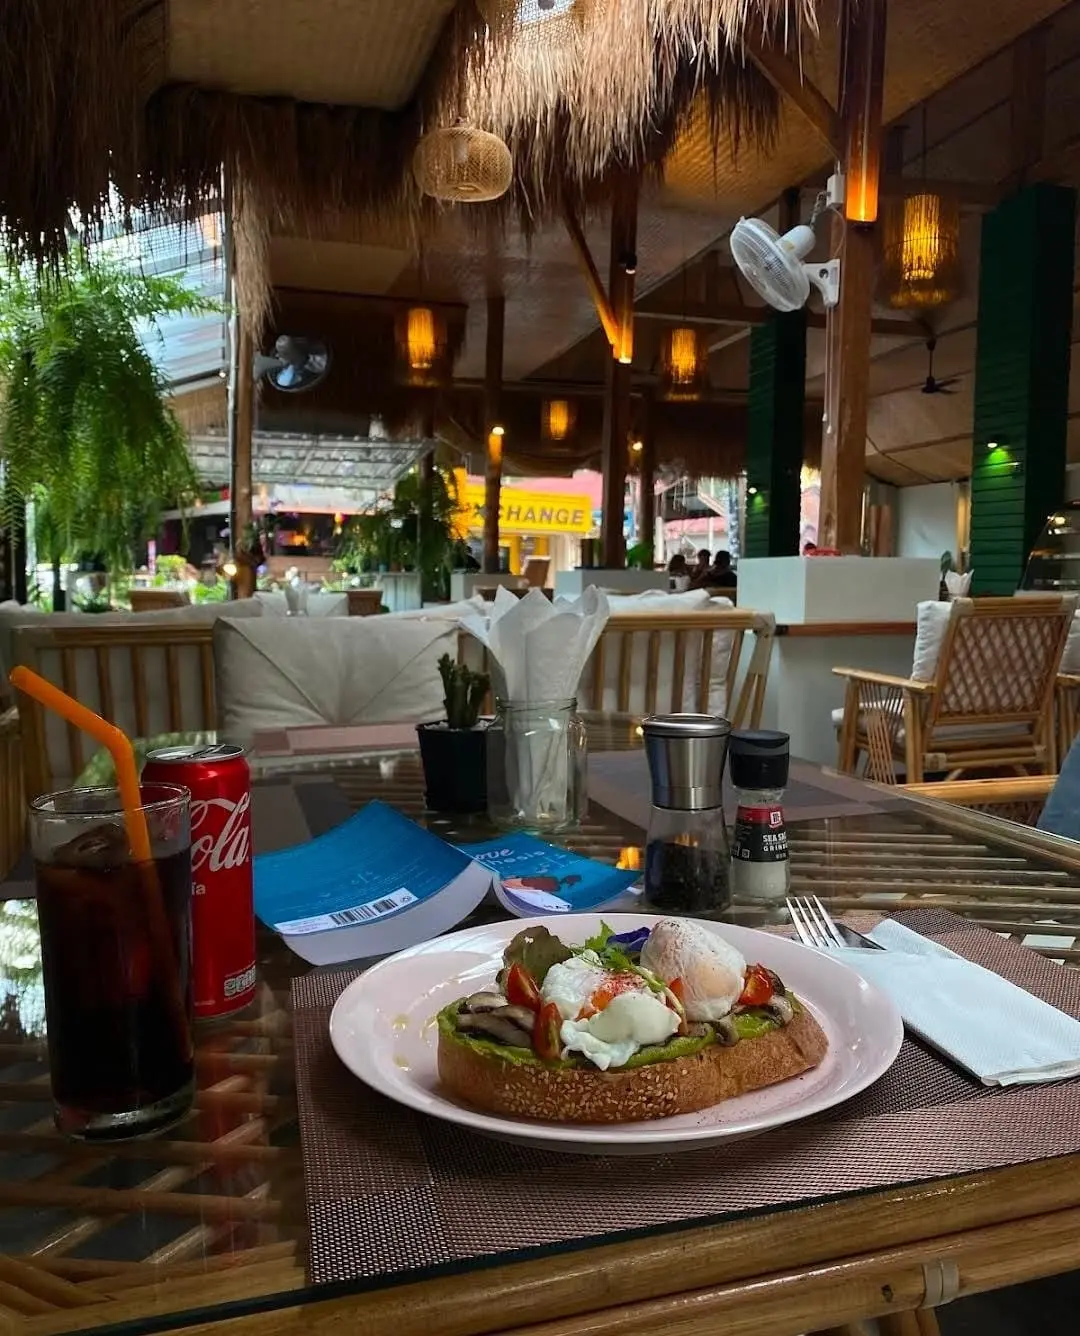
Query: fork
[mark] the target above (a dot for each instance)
(815, 926)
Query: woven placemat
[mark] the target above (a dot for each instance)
(391, 1193)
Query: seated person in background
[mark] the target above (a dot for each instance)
(720, 575)
(678, 573)
(700, 569)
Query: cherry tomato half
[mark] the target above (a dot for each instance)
(757, 987)
(547, 1039)
(521, 989)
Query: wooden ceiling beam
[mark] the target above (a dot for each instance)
(604, 309)
(695, 313)
(789, 81)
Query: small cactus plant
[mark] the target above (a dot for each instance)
(463, 693)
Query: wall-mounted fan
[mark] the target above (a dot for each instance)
(297, 363)
(931, 385)
(774, 265)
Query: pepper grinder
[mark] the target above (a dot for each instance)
(687, 857)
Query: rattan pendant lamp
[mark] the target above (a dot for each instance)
(463, 165)
(920, 267)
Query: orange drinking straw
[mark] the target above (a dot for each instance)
(138, 833)
(115, 739)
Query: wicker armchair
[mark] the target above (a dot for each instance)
(989, 705)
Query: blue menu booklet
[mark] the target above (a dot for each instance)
(379, 883)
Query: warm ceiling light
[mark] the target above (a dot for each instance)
(921, 252)
(557, 419)
(498, 431)
(684, 362)
(637, 447)
(420, 342)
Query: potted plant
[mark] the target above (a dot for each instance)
(453, 751)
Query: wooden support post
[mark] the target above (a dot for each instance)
(849, 327)
(493, 428)
(647, 475)
(243, 428)
(617, 382)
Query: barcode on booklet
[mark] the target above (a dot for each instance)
(349, 918)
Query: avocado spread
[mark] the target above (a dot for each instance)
(750, 1025)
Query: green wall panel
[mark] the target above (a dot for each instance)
(1021, 379)
(774, 446)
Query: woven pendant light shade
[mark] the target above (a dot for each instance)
(557, 418)
(421, 340)
(921, 252)
(462, 164)
(685, 363)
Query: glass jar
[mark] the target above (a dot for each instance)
(536, 754)
(687, 856)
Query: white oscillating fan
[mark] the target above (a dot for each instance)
(774, 265)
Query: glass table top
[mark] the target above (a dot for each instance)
(209, 1220)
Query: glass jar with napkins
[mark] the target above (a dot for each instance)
(537, 651)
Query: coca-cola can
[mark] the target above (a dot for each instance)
(222, 908)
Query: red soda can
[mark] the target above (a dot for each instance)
(222, 907)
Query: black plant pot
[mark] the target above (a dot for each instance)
(455, 767)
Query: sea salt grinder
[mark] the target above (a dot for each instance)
(687, 860)
(760, 865)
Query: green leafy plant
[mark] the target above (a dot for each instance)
(640, 557)
(169, 569)
(94, 603)
(86, 430)
(463, 692)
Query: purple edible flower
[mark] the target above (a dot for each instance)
(630, 942)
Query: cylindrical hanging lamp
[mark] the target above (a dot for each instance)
(557, 418)
(921, 252)
(684, 363)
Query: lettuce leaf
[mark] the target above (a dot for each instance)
(536, 949)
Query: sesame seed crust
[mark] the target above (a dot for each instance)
(656, 1090)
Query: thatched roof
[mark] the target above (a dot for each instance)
(88, 99)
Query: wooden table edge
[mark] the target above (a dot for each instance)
(650, 1279)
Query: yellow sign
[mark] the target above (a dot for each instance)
(525, 512)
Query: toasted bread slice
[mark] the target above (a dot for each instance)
(656, 1090)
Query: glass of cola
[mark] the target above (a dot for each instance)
(116, 960)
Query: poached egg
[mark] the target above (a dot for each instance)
(606, 1016)
(712, 970)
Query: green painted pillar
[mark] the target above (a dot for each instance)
(774, 438)
(1021, 380)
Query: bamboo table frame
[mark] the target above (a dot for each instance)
(229, 1187)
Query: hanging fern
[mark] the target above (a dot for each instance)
(86, 430)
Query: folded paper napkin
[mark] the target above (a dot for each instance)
(987, 1025)
(538, 649)
(957, 585)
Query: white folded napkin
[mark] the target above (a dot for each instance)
(987, 1025)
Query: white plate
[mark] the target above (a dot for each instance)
(383, 1029)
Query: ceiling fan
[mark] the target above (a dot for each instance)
(931, 385)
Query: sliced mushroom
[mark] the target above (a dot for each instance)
(492, 1025)
(484, 1002)
(699, 1030)
(776, 981)
(726, 1032)
(520, 1016)
(779, 1009)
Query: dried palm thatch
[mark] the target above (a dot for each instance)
(74, 75)
(617, 83)
(84, 110)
